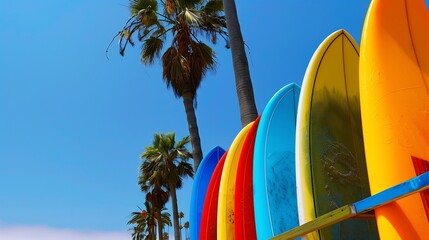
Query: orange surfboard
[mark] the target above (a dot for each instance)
(394, 94)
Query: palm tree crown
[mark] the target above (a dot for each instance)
(167, 161)
(145, 221)
(187, 59)
(156, 193)
(165, 164)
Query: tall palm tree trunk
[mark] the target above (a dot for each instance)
(197, 153)
(159, 220)
(243, 82)
(175, 212)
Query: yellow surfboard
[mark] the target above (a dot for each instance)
(394, 90)
(225, 210)
(330, 156)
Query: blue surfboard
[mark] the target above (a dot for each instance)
(274, 179)
(199, 189)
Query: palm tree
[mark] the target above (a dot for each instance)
(145, 221)
(138, 233)
(186, 226)
(181, 215)
(243, 82)
(156, 191)
(168, 160)
(187, 59)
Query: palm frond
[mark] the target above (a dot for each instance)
(138, 233)
(143, 33)
(170, 7)
(192, 16)
(189, 3)
(185, 169)
(207, 54)
(184, 155)
(156, 140)
(166, 220)
(136, 5)
(180, 144)
(148, 17)
(176, 70)
(178, 182)
(201, 60)
(213, 7)
(151, 49)
(212, 26)
(171, 140)
(167, 61)
(135, 218)
(179, 74)
(161, 32)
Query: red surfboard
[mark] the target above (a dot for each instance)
(208, 225)
(244, 218)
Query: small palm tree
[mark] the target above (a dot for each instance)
(146, 221)
(181, 215)
(143, 223)
(187, 59)
(168, 160)
(156, 191)
(186, 226)
(138, 233)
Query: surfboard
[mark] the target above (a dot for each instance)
(225, 214)
(199, 188)
(394, 94)
(244, 218)
(274, 182)
(208, 223)
(330, 156)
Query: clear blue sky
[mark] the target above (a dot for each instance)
(73, 123)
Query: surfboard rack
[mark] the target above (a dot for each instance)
(358, 209)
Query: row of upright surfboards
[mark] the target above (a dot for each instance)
(359, 125)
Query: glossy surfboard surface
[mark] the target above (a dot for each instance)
(244, 217)
(225, 214)
(199, 188)
(274, 180)
(208, 223)
(330, 157)
(394, 90)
